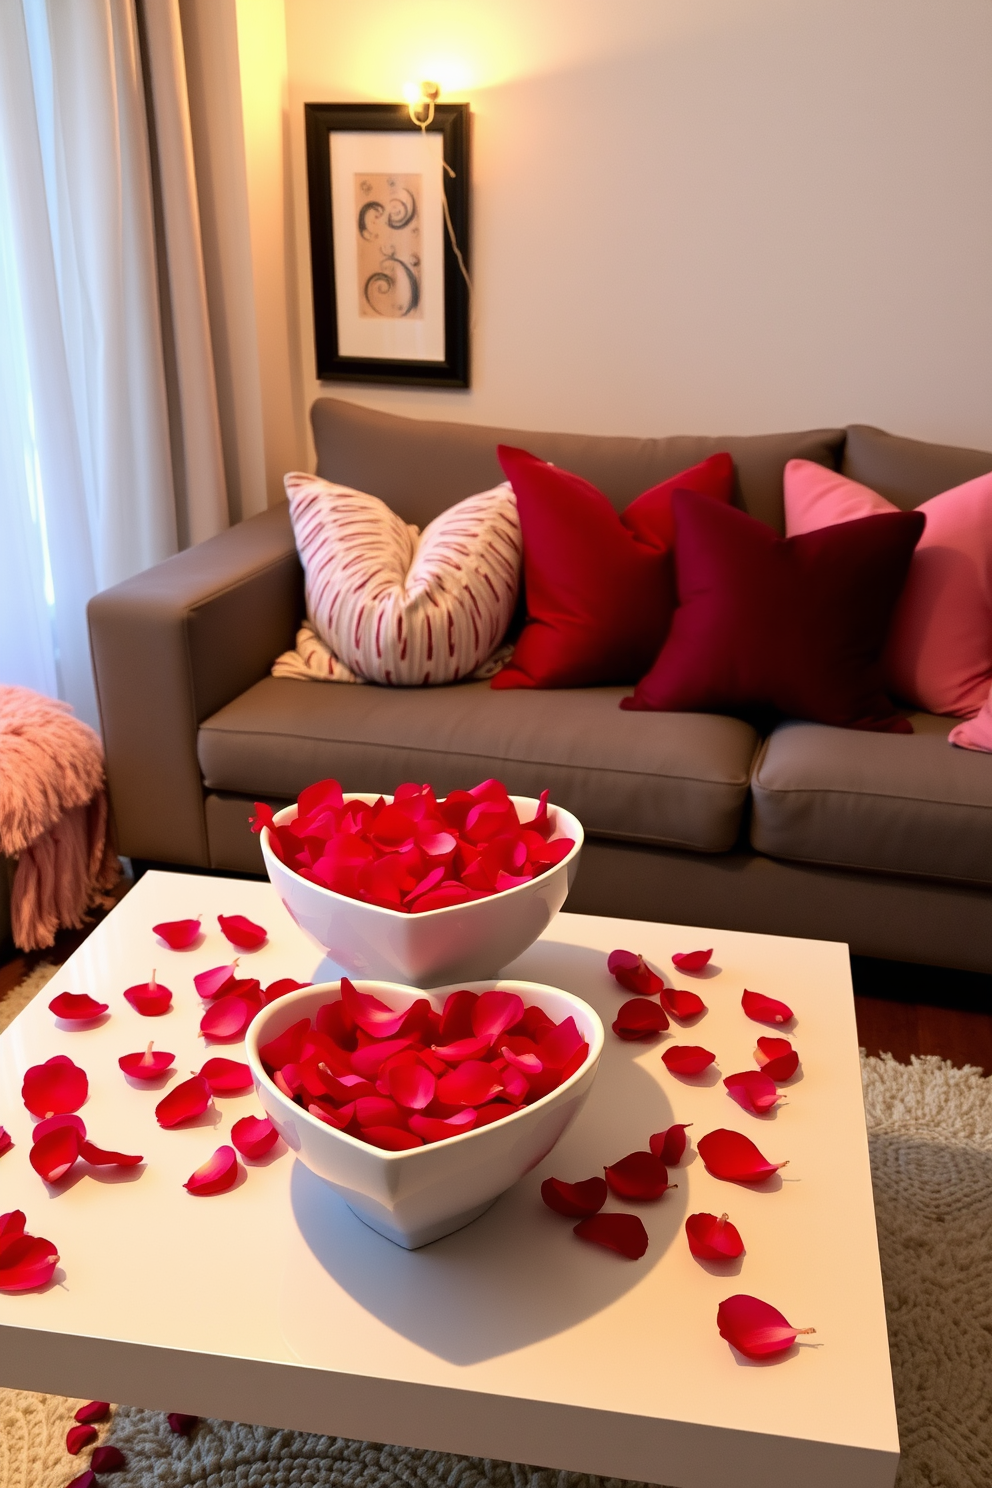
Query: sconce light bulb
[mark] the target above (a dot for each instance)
(411, 93)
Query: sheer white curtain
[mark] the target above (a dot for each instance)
(87, 487)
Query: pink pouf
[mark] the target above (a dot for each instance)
(53, 816)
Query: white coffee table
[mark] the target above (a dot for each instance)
(512, 1339)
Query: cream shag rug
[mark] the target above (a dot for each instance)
(930, 1129)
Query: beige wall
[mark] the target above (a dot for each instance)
(697, 215)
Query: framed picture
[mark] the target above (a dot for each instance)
(390, 297)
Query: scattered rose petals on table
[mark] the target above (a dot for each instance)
(26, 1261)
(764, 1009)
(6, 1141)
(753, 1091)
(98, 1157)
(755, 1328)
(691, 961)
(108, 1459)
(210, 984)
(184, 1102)
(713, 1239)
(734, 1157)
(77, 1007)
(574, 1200)
(777, 1058)
(624, 1233)
(670, 1145)
(150, 998)
(242, 932)
(227, 1018)
(78, 1437)
(180, 1424)
(279, 988)
(226, 1076)
(640, 1019)
(53, 1154)
(178, 934)
(680, 1003)
(639, 1175)
(147, 1066)
(687, 1059)
(94, 1410)
(254, 1136)
(415, 853)
(216, 1175)
(54, 1087)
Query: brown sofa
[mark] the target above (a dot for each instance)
(884, 841)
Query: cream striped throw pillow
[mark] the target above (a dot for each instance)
(400, 606)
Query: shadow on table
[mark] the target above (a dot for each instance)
(517, 1274)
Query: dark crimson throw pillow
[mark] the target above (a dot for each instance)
(796, 625)
(598, 583)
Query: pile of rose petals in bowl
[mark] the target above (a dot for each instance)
(408, 1078)
(414, 853)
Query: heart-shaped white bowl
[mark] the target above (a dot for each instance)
(416, 1196)
(474, 940)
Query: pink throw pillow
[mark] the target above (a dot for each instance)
(397, 605)
(975, 733)
(939, 650)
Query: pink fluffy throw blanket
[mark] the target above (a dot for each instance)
(53, 816)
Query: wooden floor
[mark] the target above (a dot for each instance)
(901, 1009)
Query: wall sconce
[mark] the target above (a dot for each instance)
(420, 99)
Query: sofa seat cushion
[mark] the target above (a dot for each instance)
(890, 803)
(673, 779)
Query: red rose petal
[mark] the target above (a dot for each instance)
(54, 1087)
(691, 961)
(146, 1066)
(765, 1009)
(687, 1059)
(287, 1047)
(461, 1049)
(367, 1061)
(639, 1175)
(179, 934)
(180, 1424)
(436, 1129)
(78, 1437)
(279, 988)
(633, 973)
(623, 1233)
(211, 984)
(52, 1123)
(26, 1261)
(96, 1410)
(679, 1003)
(391, 1138)
(561, 1044)
(753, 1091)
(241, 932)
(640, 1019)
(6, 1141)
(76, 1007)
(216, 1175)
(469, 1084)
(87, 1479)
(670, 1145)
(494, 1013)
(226, 1076)
(378, 1110)
(411, 1086)
(108, 1459)
(754, 1328)
(97, 1157)
(371, 1016)
(53, 1155)
(254, 1136)
(338, 1119)
(777, 1058)
(574, 1200)
(456, 1016)
(184, 1102)
(732, 1156)
(227, 1018)
(150, 998)
(713, 1239)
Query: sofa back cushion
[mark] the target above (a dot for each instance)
(908, 471)
(422, 466)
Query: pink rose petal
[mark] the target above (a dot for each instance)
(254, 1136)
(76, 1007)
(623, 1233)
(241, 932)
(146, 1066)
(179, 934)
(54, 1087)
(371, 1016)
(184, 1102)
(755, 1328)
(211, 984)
(691, 961)
(6, 1141)
(227, 1018)
(216, 1176)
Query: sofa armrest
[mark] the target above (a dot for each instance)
(171, 646)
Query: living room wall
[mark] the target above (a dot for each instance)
(697, 215)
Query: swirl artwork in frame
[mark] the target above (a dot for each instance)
(388, 210)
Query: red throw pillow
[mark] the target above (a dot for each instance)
(792, 624)
(598, 583)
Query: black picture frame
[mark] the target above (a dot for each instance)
(451, 121)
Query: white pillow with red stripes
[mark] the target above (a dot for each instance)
(400, 606)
